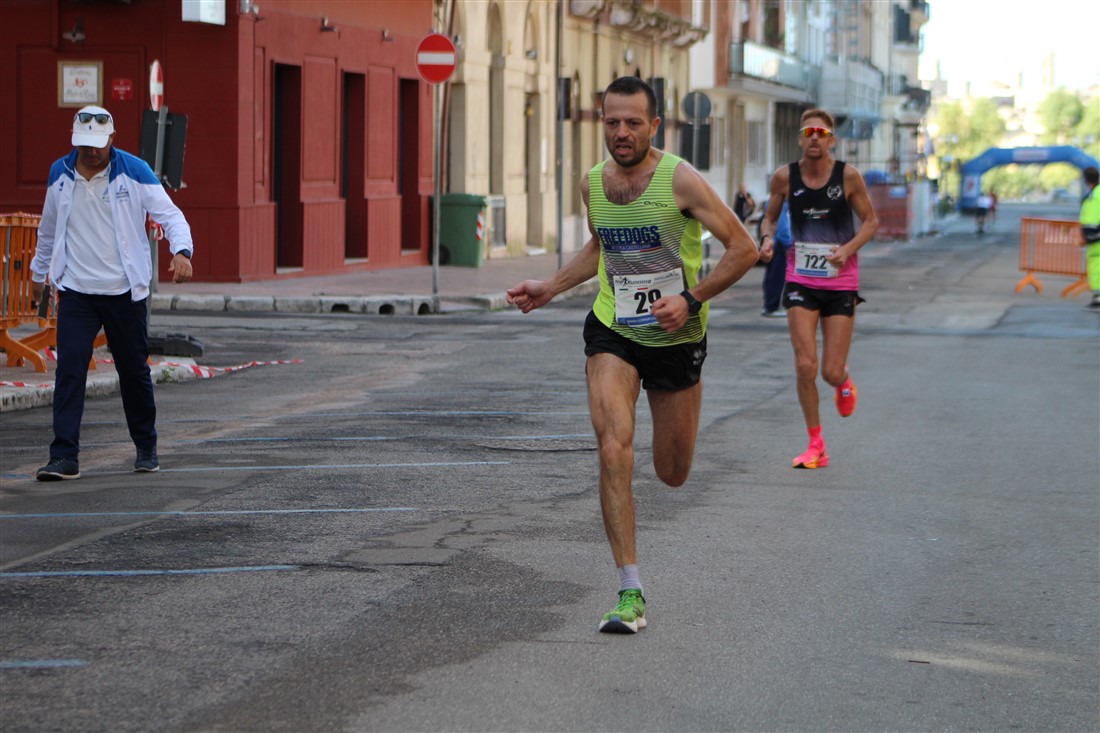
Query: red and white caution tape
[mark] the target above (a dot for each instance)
(203, 372)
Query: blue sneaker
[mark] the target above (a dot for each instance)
(58, 469)
(146, 461)
(628, 616)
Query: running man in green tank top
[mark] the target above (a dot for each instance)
(647, 329)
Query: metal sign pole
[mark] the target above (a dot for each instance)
(560, 138)
(162, 120)
(436, 57)
(696, 107)
(695, 142)
(154, 255)
(435, 198)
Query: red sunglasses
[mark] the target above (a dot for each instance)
(818, 131)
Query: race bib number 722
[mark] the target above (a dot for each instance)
(811, 259)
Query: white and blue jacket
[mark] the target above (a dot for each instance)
(134, 190)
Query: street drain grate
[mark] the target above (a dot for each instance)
(550, 444)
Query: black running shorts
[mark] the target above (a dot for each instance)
(662, 368)
(829, 302)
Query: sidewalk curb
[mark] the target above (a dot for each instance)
(374, 305)
(105, 385)
(99, 385)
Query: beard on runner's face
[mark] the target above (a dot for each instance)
(627, 151)
(627, 127)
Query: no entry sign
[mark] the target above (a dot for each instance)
(156, 86)
(435, 58)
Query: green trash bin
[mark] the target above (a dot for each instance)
(461, 229)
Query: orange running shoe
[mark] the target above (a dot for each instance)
(846, 397)
(814, 457)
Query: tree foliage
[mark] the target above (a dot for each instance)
(967, 134)
(964, 134)
(1060, 114)
(1087, 132)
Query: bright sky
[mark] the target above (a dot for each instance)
(997, 40)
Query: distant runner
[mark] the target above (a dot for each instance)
(822, 268)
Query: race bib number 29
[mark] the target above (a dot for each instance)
(636, 294)
(812, 260)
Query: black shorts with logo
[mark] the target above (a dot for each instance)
(662, 368)
(829, 302)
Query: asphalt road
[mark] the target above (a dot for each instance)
(401, 532)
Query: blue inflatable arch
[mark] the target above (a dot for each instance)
(970, 187)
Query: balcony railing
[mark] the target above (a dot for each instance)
(850, 88)
(761, 62)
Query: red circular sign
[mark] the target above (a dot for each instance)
(435, 58)
(156, 86)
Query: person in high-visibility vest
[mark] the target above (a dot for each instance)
(1090, 233)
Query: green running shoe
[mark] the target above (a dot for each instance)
(628, 616)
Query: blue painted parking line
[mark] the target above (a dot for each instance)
(538, 437)
(408, 413)
(315, 439)
(41, 663)
(205, 513)
(312, 439)
(162, 571)
(332, 466)
(375, 438)
(300, 467)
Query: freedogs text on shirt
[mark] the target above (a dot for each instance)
(629, 238)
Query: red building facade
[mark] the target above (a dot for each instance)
(309, 136)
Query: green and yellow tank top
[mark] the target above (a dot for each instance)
(648, 249)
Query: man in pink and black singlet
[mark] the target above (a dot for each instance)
(822, 282)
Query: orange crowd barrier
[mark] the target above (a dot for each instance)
(19, 236)
(1051, 247)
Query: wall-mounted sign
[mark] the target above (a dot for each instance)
(79, 83)
(122, 90)
(204, 11)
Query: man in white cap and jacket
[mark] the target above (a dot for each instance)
(92, 246)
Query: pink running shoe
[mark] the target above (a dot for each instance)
(814, 457)
(846, 397)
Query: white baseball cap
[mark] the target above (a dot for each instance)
(92, 126)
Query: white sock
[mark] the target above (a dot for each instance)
(628, 578)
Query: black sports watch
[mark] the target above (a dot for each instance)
(185, 252)
(694, 306)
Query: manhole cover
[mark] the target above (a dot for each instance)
(549, 444)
